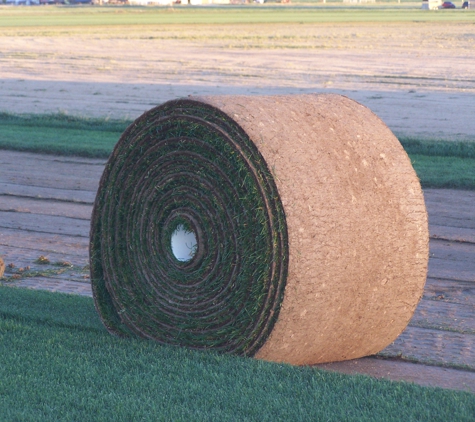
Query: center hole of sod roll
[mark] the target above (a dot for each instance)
(184, 244)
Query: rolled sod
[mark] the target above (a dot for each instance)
(310, 229)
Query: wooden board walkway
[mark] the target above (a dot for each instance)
(45, 208)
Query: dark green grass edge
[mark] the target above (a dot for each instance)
(65, 121)
(57, 362)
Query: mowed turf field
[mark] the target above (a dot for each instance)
(57, 362)
(228, 14)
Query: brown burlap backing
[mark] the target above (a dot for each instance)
(357, 224)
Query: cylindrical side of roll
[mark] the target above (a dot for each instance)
(311, 225)
(357, 224)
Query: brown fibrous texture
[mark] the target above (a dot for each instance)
(357, 224)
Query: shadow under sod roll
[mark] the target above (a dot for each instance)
(310, 225)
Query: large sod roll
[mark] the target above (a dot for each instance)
(310, 223)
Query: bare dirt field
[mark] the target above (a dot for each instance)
(418, 77)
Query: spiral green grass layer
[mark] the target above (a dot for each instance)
(187, 163)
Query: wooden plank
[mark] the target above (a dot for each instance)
(452, 260)
(460, 207)
(398, 370)
(445, 213)
(67, 181)
(41, 170)
(442, 206)
(457, 219)
(443, 268)
(30, 160)
(43, 242)
(438, 314)
(48, 207)
(456, 234)
(79, 274)
(453, 251)
(23, 257)
(450, 208)
(434, 347)
(45, 224)
(453, 291)
(13, 158)
(449, 196)
(78, 196)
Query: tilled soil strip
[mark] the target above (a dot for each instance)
(45, 208)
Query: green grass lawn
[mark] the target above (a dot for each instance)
(60, 134)
(438, 164)
(442, 164)
(57, 362)
(91, 16)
